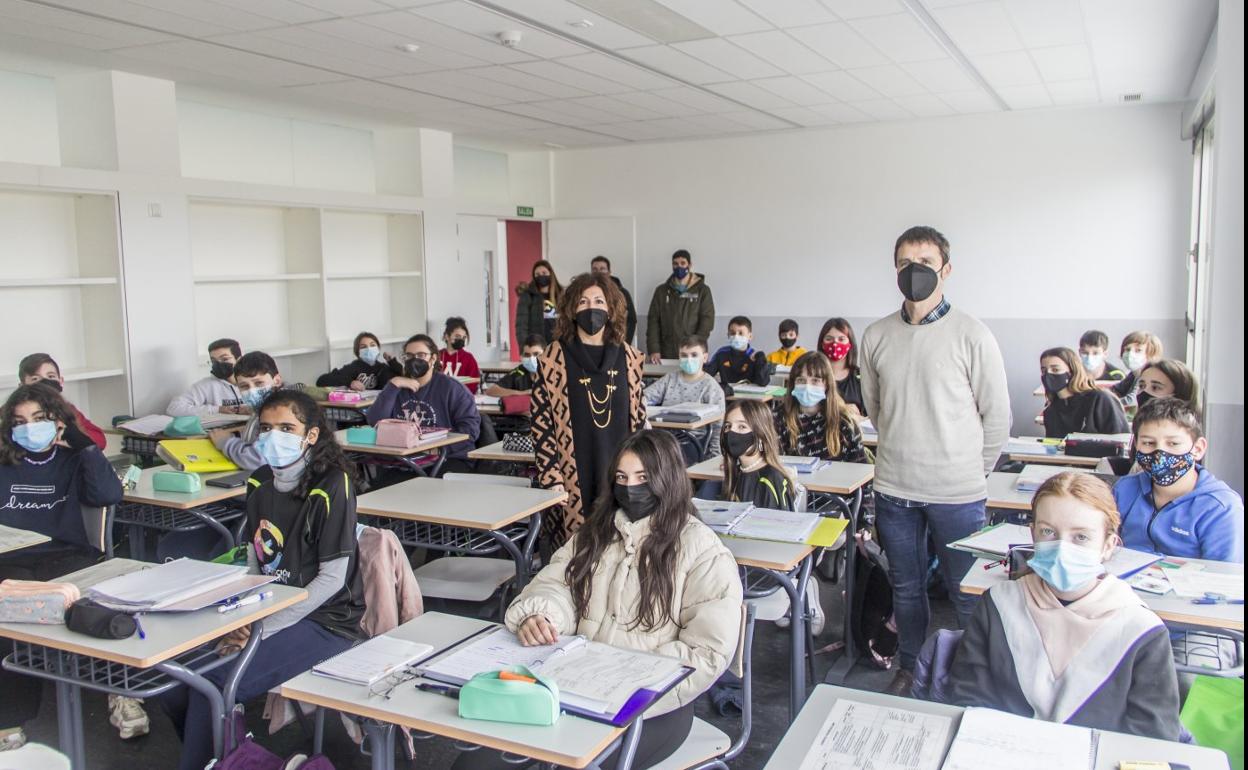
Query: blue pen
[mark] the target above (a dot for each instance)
(139, 625)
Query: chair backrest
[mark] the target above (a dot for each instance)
(487, 478)
(799, 497)
(743, 661)
(98, 524)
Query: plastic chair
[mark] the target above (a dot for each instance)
(98, 523)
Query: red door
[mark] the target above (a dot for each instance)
(524, 247)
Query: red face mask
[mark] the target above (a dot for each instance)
(836, 350)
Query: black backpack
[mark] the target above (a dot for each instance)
(875, 632)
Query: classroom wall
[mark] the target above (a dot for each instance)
(1059, 220)
(28, 129)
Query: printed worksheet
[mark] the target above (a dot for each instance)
(859, 736)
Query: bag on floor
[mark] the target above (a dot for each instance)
(875, 632)
(249, 755)
(1214, 713)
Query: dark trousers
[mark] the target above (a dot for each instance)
(20, 695)
(903, 527)
(660, 737)
(284, 655)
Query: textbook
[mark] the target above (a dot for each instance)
(682, 412)
(194, 455)
(595, 680)
(180, 585)
(375, 659)
(1032, 446)
(719, 515)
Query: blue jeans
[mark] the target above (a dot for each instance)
(283, 656)
(904, 526)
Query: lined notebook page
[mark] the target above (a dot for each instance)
(994, 739)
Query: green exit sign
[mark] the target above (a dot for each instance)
(524, 211)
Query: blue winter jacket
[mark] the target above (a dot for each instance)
(1206, 523)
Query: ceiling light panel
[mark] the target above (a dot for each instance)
(649, 18)
(725, 56)
(783, 51)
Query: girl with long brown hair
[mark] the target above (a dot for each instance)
(812, 420)
(838, 343)
(643, 573)
(1074, 402)
(538, 302)
(752, 468)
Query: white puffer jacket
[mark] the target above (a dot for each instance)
(707, 604)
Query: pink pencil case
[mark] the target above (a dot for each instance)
(345, 396)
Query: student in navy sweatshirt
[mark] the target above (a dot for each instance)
(41, 368)
(738, 361)
(1176, 506)
(50, 471)
(436, 400)
(370, 370)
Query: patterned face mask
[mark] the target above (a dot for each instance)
(1165, 468)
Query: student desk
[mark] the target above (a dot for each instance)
(790, 564)
(468, 380)
(1174, 610)
(1112, 747)
(658, 421)
(1060, 458)
(14, 539)
(143, 446)
(408, 457)
(843, 483)
(651, 371)
(765, 398)
(496, 453)
(346, 413)
(493, 371)
(570, 742)
(144, 508)
(465, 517)
(178, 649)
(1002, 493)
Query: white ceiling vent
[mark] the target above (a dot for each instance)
(1128, 98)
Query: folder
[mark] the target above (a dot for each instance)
(194, 455)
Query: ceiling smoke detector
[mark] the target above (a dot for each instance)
(581, 24)
(408, 47)
(1132, 97)
(511, 38)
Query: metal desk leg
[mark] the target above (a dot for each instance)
(799, 614)
(413, 463)
(628, 749)
(381, 744)
(849, 655)
(229, 693)
(222, 530)
(522, 557)
(207, 689)
(138, 542)
(69, 723)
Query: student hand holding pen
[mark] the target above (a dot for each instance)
(536, 630)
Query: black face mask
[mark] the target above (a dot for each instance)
(1142, 398)
(1055, 383)
(416, 368)
(458, 344)
(591, 320)
(222, 370)
(53, 384)
(737, 444)
(917, 282)
(788, 342)
(541, 280)
(636, 500)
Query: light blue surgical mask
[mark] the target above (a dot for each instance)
(370, 354)
(1092, 361)
(35, 436)
(691, 364)
(255, 397)
(1066, 566)
(739, 341)
(809, 395)
(279, 449)
(530, 364)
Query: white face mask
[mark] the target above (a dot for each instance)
(739, 341)
(1092, 361)
(1135, 360)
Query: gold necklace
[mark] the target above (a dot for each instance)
(600, 406)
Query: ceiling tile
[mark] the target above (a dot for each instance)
(967, 102)
(195, 21)
(858, 9)
(660, 105)
(483, 118)
(559, 14)
(804, 116)
(751, 120)
(723, 17)
(347, 7)
(636, 131)
(568, 76)
(677, 64)
(419, 29)
(884, 109)
(1052, 22)
(795, 90)
(842, 86)
(280, 11)
(1072, 92)
(840, 44)
(791, 13)
(548, 88)
(619, 71)
(225, 62)
(435, 83)
(697, 99)
(381, 39)
(925, 105)
(57, 26)
(981, 28)
(783, 51)
(624, 109)
(470, 81)
(299, 44)
(1007, 69)
(566, 137)
(751, 95)
(369, 94)
(1025, 97)
(1067, 62)
(734, 60)
(890, 80)
(487, 24)
(842, 113)
(1149, 47)
(940, 75)
(900, 37)
(569, 112)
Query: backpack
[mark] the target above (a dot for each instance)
(875, 632)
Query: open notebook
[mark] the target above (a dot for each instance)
(994, 739)
(995, 543)
(367, 663)
(596, 681)
(181, 585)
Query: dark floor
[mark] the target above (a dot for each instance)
(159, 749)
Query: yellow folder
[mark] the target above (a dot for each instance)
(194, 455)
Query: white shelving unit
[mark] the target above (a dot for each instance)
(61, 292)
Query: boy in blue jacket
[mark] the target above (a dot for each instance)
(1176, 506)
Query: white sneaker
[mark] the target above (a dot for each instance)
(128, 716)
(13, 740)
(295, 762)
(818, 618)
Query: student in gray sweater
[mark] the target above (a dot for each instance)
(215, 393)
(690, 385)
(934, 383)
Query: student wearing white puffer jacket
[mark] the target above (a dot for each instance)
(643, 573)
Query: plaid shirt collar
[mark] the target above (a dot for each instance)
(938, 312)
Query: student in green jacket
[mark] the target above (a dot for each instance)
(682, 307)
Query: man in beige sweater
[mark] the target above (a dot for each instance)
(934, 383)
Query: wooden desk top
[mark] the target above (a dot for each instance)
(701, 422)
(767, 554)
(144, 493)
(391, 451)
(358, 406)
(496, 452)
(1002, 492)
(569, 742)
(458, 503)
(169, 634)
(833, 477)
(14, 539)
(1061, 458)
(497, 367)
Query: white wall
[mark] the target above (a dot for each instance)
(1058, 220)
(28, 129)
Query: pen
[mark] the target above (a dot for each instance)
(992, 564)
(139, 625)
(438, 689)
(252, 599)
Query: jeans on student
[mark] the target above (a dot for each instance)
(903, 526)
(284, 655)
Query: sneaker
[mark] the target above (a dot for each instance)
(128, 716)
(901, 684)
(295, 762)
(13, 740)
(817, 616)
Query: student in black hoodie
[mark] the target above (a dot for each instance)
(602, 266)
(738, 361)
(50, 471)
(1075, 403)
(370, 370)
